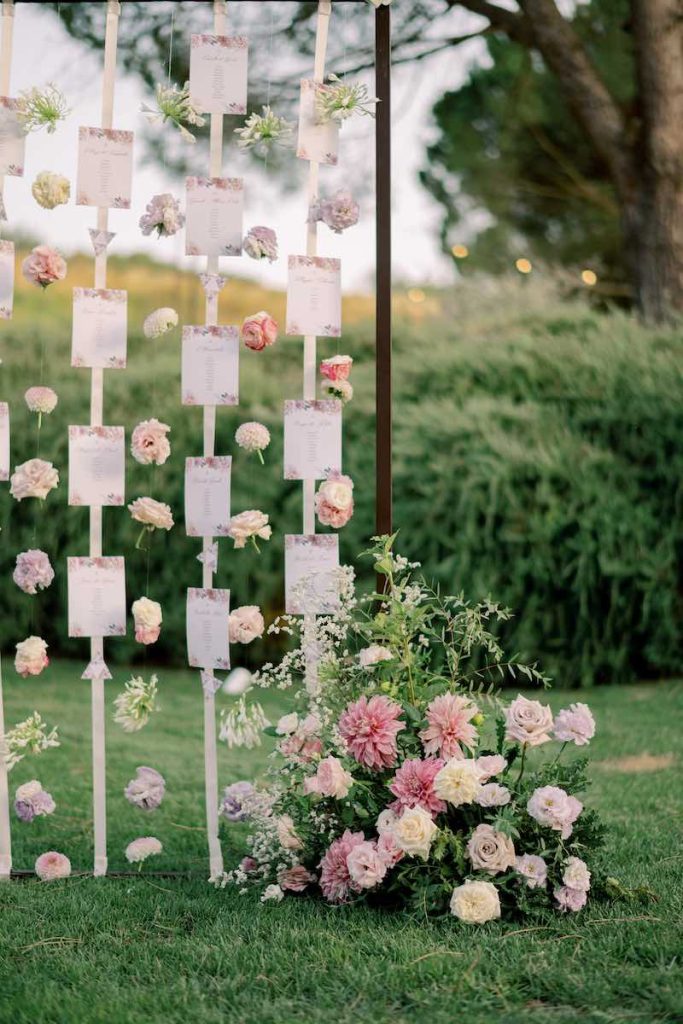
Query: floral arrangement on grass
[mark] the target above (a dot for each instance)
(405, 777)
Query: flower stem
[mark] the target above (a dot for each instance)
(521, 766)
(258, 452)
(138, 543)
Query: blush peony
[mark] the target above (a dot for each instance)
(330, 779)
(367, 867)
(336, 368)
(575, 724)
(246, 624)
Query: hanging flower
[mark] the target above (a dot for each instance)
(52, 865)
(33, 571)
(149, 443)
(50, 190)
(246, 624)
(147, 617)
(334, 500)
(336, 368)
(253, 437)
(173, 104)
(31, 657)
(248, 526)
(136, 703)
(242, 725)
(162, 215)
(341, 389)
(140, 849)
(159, 322)
(146, 790)
(260, 243)
(154, 515)
(41, 108)
(32, 801)
(264, 130)
(339, 212)
(339, 101)
(235, 796)
(43, 266)
(33, 479)
(28, 737)
(41, 400)
(259, 331)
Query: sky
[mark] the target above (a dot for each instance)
(44, 53)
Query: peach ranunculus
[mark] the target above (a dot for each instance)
(249, 525)
(31, 657)
(43, 266)
(334, 500)
(33, 479)
(259, 331)
(330, 779)
(41, 399)
(246, 624)
(528, 721)
(148, 618)
(149, 443)
(336, 368)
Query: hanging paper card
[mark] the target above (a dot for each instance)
(207, 496)
(213, 210)
(218, 74)
(96, 466)
(208, 612)
(100, 327)
(311, 573)
(318, 142)
(4, 441)
(12, 138)
(210, 365)
(97, 597)
(6, 279)
(105, 168)
(313, 439)
(314, 296)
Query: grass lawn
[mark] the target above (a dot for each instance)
(153, 949)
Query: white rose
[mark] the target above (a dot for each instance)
(366, 867)
(28, 791)
(528, 721)
(475, 902)
(286, 833)
(490, 850)
(246, 624)
(287, 724)
(576, 875)
(414, 832)
(373, 654)
(458, 782)
(146, 613)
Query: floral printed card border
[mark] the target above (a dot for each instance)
(96, 596)
(218, 73)
(105, 168)
(207, 626)
(12, 138)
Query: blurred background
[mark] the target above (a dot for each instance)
(538, 349)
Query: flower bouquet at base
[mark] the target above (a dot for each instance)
(403, 777)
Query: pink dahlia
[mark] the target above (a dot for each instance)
(413, 785)
(450, 725)
(335, 880)
(370, 728)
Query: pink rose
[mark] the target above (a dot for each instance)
(43, 265)
(528, 721)
(336, 368)
(149, 443)
(33, 479)
(246, 624)
(295, 879)
(334, 500)
(52, 865)
(33, 571)
(147, 617)
(366, 867)
(259, 331)
(31, 657)
(331, 779)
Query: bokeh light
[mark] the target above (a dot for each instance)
(523, 265)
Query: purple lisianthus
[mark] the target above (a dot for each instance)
(162, 215)
(260, 243)
(339, 212)
(31, 801)
(234, 798)
(146, 790)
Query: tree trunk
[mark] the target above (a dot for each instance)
(658, 261)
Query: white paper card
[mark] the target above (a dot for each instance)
(207, 496)
(210, 365)
(6, 279)
(100, 328)
(12, 138)
(318, 142)
(314, 296)
(208, 612)
(311, 576)
(4, 441)
(313, 439)
(105, 168)
(97, 596)
(213, 212)
(97, 462)
(218, 74)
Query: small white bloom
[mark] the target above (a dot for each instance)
(287, 724)
(475, 902)
(414, 832)
(140, 849)
(272, 893)
(576, 875)
(159, 322)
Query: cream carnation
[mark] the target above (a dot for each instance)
(341, 389)
(528, 721)
(31, 657)
(475, 902)
(33, 479)
(458, 782)
(50, 190)
(149, 443)
(246, 624)
(159, 322)
(330, 779)
(414, 832)
(41, 399)
(33, 571)
(147, 617)
(489, 850)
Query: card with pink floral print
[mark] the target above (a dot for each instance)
(311, 573)
(213, 212)
(4, 441)
(218, 74)
(314, 296)
(97, 462)
(313, 439)
(12, 138)
(207, 496)
(96, 596)
(315, 141)
(99, 335)
(6, 279)
(208, 611)
(210, 365)
(105, 168)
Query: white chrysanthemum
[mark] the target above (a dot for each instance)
(136, 703)
(140, 849)
(50, 190)
(253, 437)
(159, 322)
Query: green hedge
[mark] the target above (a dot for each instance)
(537, 457)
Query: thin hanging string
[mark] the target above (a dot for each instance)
(169, 70)
(269, 62)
